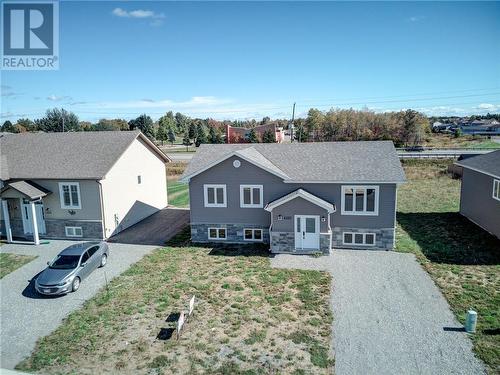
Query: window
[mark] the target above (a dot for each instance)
(251, 196)
(496, 189)
(216, 233)
(359, 200)
(85, 257)
(69, 193)
(139, 179)
(359, 239)
(73, 231)
(215, 195)
(251, 234)
(92, 250)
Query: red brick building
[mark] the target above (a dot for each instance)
(240, 135)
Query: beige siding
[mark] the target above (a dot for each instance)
(125, 200)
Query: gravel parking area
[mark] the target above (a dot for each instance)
(27, 316)
(389, 316)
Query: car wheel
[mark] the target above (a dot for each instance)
(104, 260)
(76, 284)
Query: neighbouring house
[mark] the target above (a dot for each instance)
(240, 135)
(78, 185)
(298, 197)
(480, 193)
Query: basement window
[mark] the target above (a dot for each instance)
(359, 239)
(216, 233)
(251, 234)
(73, 231)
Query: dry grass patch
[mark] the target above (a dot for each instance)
(11, 262)
(247, 320)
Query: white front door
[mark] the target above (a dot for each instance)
(306, 232)
(27, 220)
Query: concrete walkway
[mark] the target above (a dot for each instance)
(155, 229)
(389, 316)
(26, 316)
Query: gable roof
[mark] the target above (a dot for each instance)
(70, 155)
(300, 193)
(27, 188)
(327, 162)
(485, 163)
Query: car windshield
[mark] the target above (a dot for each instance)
(65, 262)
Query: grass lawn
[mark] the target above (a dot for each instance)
(11, 262)
(447, 140)
(178, 194)
(463, 260)
(249, 318)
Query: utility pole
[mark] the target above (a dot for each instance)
(291, 125)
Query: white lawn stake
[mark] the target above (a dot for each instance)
(191, 306)
(180, 323)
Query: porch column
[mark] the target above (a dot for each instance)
(6, 220)
(34, 224)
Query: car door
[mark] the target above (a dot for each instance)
(85, 267)
(94, 258)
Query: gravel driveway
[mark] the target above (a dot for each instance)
(389, 317)
(27, 316)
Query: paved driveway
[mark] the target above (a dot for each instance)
(389, 317)
(26, 316)
(155, 229)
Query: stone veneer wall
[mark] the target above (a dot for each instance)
(284, 242)
(234, 233)
(55, 229)
(384, 238)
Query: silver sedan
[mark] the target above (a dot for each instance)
(68, 269)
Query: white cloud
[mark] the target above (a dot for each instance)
(139, 13)
(55, 98)
(488, 106)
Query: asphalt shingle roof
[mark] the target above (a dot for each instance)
(28, 188)
(486, 163)
(71, 155)
(370, 161)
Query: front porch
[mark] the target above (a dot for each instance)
(22, 211)
(300, 224)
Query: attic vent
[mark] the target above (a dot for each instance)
(236, 163)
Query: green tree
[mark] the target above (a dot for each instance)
(8, 127)
(218, 137)
(314, 122)
(145, 124)
(112, 124)
(186, 141)
(201, 134)
(162, 133)
(181, 122)
(171, 135)
(252, 136)
(192, 129)
(268, 137)
(300, 134)
(212, 136)
(58, 120)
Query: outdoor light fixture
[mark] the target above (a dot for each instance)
(71, 212)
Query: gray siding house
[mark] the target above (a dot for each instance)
(299, 197)
(480, 193)
(78, 185)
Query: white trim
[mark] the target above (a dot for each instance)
(235, 153)
(364, 234)
(215, 187)
(354, 212)
(302, 194)
(251, 187)
(497, 197)
(218, 238)
(317, 224)
(253, 239)
(477, 170)
(61, 195)
(71, 231)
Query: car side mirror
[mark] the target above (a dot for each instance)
(82, 265)
(48, 263)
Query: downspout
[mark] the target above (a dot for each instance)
(270, 226)
(103, 220)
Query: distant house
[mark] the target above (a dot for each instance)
(481, 127)
(78, 185)
(480, 193)
(240, 135)
(297, 197)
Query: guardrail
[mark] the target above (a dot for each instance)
(423, 155)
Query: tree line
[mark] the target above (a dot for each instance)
(404, 128)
